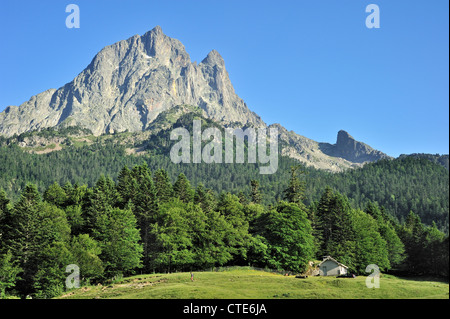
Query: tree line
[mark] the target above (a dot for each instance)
(144, 223)
(399, 185)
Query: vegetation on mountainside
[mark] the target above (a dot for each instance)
(145, 223)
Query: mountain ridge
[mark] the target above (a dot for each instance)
(129, 83)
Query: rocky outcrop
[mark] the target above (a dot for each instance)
(348, 148)
(309, 152)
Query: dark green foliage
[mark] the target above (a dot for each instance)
(425, 246)
(34, 227)
(8, 273)
(386, 227)
(24, 236)
(354, 237)
(399, 185)
(255, 196)
(140, 222)
(295, 192)
(4, 201)
(145, 204)
(55, 195)
(205, 198)
(85, 251)
(172, 245)
(182, 189)
(164, 189)
(435, 158)
(4, 214)
(119, 240)
(127, 185)
(286, 232)
(237, 238)
(369, 245)
(243, 198)
(186, 238)
(98, 200)
(49, 280)
(54, 254)
(335, 227)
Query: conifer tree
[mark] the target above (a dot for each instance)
(334, 214)
(316, 226)
(146, 206)
(24, 236)
(369, 245)
(242, 198)
(8, 273)
(387, 231)
(295, 192)
(36, 227)
(4, 201)
(164, 189)
(56, 195)
(126, 185)
(325, 220)
(99, 199)
(413, 235)
(255, 196)
(199, 195)
(182, 189)
(4, 216)
(204, 198)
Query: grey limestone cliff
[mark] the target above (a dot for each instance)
(127, 85)
(348, 148)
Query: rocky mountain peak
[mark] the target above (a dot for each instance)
(158, 45)
(345, 141)
(343, 137)
(128, 84)
(157, 30)
(352, 150)
(214, 58)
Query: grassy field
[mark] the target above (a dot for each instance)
(242, 283)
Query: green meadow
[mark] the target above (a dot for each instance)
(244, 283)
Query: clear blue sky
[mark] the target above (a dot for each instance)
(312, 66)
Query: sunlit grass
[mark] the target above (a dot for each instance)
(253, 284)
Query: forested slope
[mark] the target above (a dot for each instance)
(400, 185)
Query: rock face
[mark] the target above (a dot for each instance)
(127, 85)
(346, 153)
(348, 148)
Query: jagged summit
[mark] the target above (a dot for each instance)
(352, 150)
(128, 84)
(343, 137)
(214, 58)
(156, 30)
